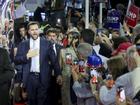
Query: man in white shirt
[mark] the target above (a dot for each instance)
(35, 54)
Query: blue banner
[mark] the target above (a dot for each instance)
(113, 19)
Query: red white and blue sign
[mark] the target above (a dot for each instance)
(132, 15)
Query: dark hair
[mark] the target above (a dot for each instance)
(116, 66)
(32, 23)
(51, 30)
(21, 26)
(88, 36)
(137, 38)
(75, 35)
(10, 35)
(81, 24)
(117, 41)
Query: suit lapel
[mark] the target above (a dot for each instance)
(28, 48)
(57, 49)
(28, 44)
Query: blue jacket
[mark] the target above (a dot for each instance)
(47, 56)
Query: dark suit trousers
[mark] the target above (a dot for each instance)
(54, 92)
(4, 94)
(35, 90)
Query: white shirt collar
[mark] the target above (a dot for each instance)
(36, 42)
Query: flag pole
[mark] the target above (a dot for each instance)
(100, 15)
(87, 14)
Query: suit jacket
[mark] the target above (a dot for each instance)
(58, 48)
(47, 55)
(6, 69)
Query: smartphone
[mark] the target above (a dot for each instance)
(75, 62)
(43, 16)
(94, 75)
(99, 32)
(121, 93)
(68, 58)
(81, 66)
(59, 21)
(110, 36)
(138, 48)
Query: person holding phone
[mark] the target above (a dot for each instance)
(81, 85)
(36, 54)
(67, 57)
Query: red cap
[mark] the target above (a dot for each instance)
(121, 48)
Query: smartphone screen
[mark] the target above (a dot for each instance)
(138, 48)
(68, 58)
(81, 66)
(99, 32)
(121, 93)
(110, 36)
(75, 62)
(94, 75)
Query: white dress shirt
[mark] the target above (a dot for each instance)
(54, 48)
(35, 61)
(104, 59)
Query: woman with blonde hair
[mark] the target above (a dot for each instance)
(117, 66)
(67, 56)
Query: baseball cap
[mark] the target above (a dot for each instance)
(94, 61)
(121, 48)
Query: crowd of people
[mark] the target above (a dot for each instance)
(57, 65)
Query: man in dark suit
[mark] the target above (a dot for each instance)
(35, 55)
(54, 89)
(6, 75)
(51, 35)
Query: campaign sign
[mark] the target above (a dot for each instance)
(132, 16)
(113, 20)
